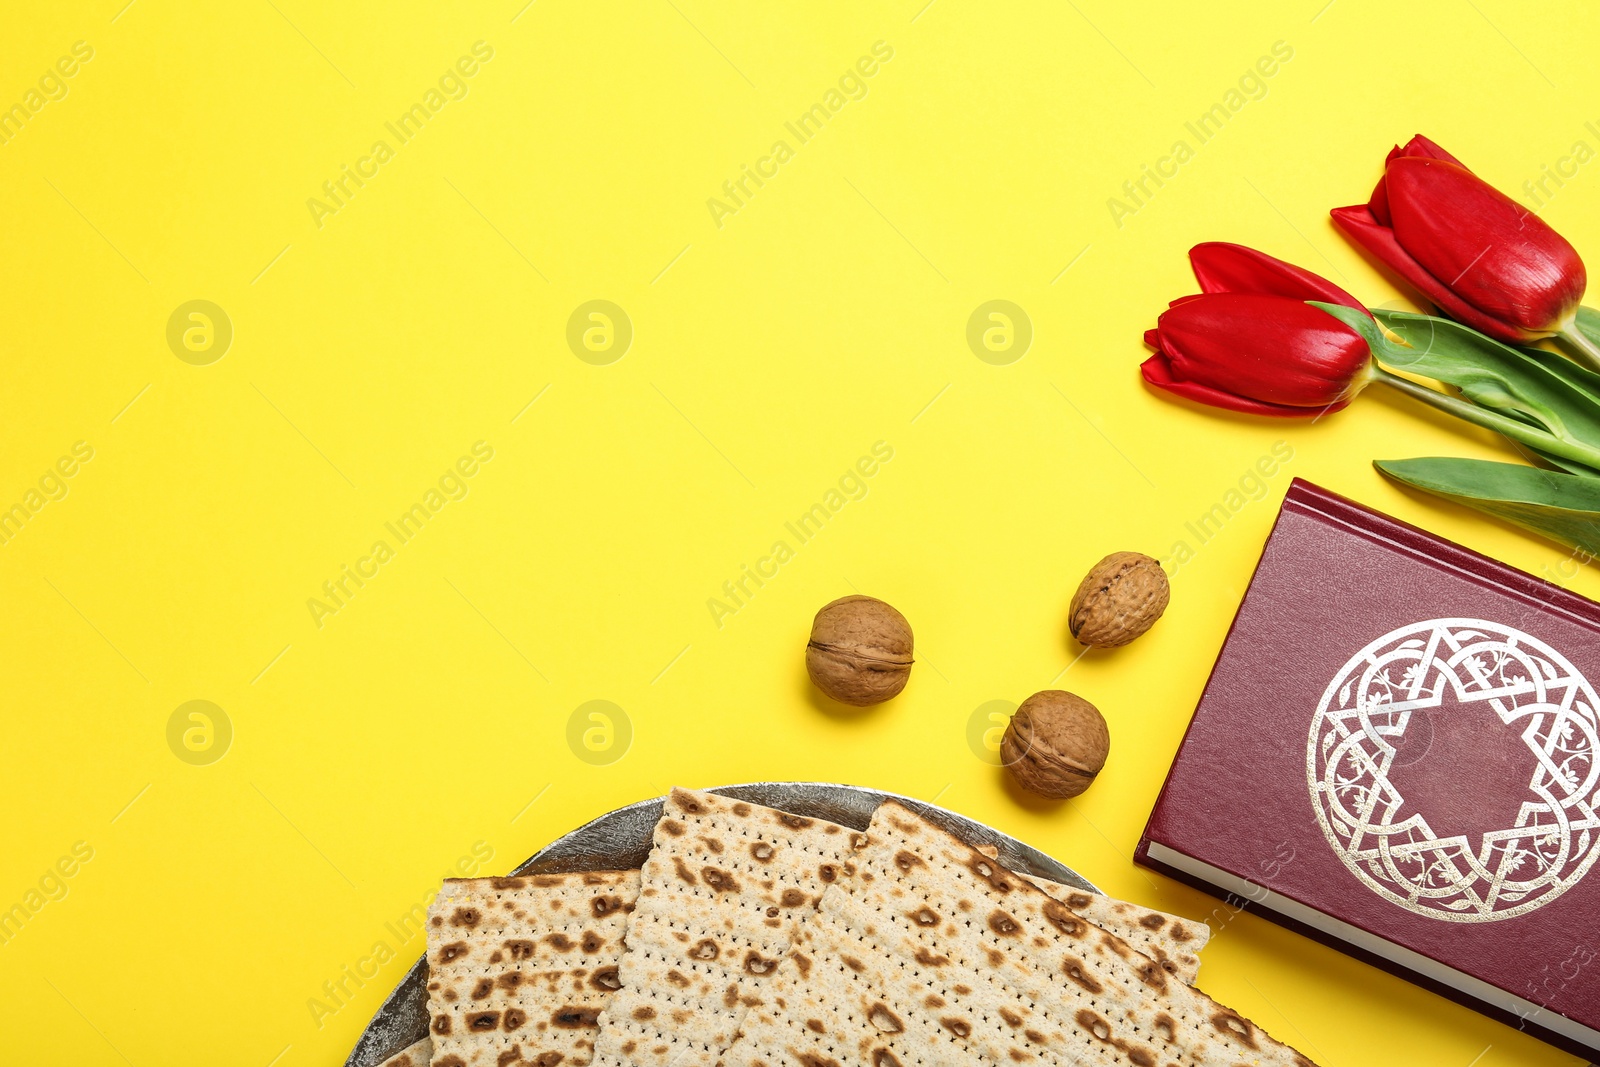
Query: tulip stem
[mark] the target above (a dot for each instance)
(1579, 343)
(1531, 436)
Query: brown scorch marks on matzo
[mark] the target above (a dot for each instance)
(726, 886)
(723, 889)
(1021, 977)
(520, 968)
(417, 1055)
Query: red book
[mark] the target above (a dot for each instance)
(1398, 754)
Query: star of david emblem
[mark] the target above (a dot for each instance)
(1490, 837)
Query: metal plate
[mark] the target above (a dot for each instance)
(620, 840)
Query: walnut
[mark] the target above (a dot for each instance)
(1119, 599)
(860, 651)
(1055, 744)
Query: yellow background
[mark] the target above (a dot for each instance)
(369, 755)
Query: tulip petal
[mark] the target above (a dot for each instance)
(1273, 349)
(1359, 225)
(1157, 371)
(1223, 267)
(1488, 249)
(1419, 147)
(1378, 202)
(1153, 339)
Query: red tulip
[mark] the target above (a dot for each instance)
(1483, 258)
(1251, 343)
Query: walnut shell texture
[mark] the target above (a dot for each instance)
(860, 651)
(1119, 599)
(1055, 744)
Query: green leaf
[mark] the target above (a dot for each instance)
(1565, 402)
(1576, 375)
(1562, 463)
(1565, 368)
(1562, 507)
(1589, 323)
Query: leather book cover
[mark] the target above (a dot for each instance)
(1398, 753)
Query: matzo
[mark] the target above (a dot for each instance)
(520, 968)
(417, 1055)
(932, 955)
(1170, 940)
(726, 884)
(724, 887)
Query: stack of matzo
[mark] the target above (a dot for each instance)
(519, 969)
(931, 955)
(761, 939)
(726, 889)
